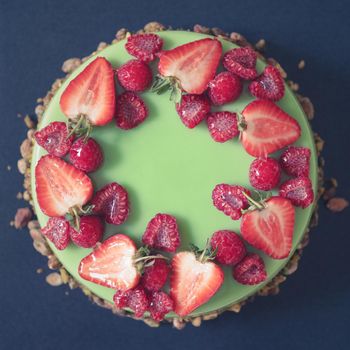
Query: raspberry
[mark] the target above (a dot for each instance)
(241, 61)
(130, 110)
(229, 247)
(89, 233)
(193, 109)
(299, 191)
(222, 126)
(160, 305)
(295, 161)
(86, 155)
(57, 231)
(144, 46)
(264, 173)
(224, 88)
(154, 276)
(250, 271)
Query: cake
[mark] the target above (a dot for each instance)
(175, 172)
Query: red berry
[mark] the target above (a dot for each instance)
(295, 161)
(222, 126)
(130, 111)
(54, 139)
(160, 305)
(269, 85)
(241, 61)
(135, 299)
(86, 155)
(155, 275)
(299, 191)
(57, 231)
(144, 46)
(229, 247)
(264, 173)
(90, 231)
(224, 88)
(134, 75)
(162, 233)
(230, 200)
(111, 201)
(193, 109)
(251, 270)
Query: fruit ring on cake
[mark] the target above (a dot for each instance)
(179, 200)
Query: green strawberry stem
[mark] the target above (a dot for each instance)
(81, 127)
(163, 84)
(259, 205)
(150, 257)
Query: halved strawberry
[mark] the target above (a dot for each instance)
(60, 186)
(267, 128)
(91, 94)
(193, 282)
(270, 227)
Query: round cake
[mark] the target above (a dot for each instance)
(168, 167)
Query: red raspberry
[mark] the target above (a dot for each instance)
(54, 139)
(224, 88)
(135, 299)
(57, 231)
(264, 173)
(193, 109)
(241, 61)
(162, 233)
(134, 76)
(299, 191)
(90, 231)
(295, 161)
(230, 200)
(111, 201)
(160, 305)
(222, 126)
(269, 85)
(229, 247)
(130, 110)
(144, 46)
(251, 270)
(86, 155)
(154, 276)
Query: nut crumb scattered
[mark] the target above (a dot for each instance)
(19, 195)
(39, 270)
(29, 122)
(260, 45)
(337, 204)
(12, 223)
(54, 279)
(301, 64)
(22, 217)
(8, 167)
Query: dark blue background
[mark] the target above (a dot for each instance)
(313, 309)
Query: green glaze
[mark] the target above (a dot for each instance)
(171, 169)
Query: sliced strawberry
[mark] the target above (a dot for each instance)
(270, 228)
(193, 282)
(268, 128)
(91, 94)
(60, 186)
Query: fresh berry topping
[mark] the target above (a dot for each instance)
(54, 139)
(251, 270)
(144, 46)
(162, 233)
(295, 161)
(264, 173)
(155, 275)
(268, 128)
(91, 94)
(193, 109)
(270, 227)
(60, 186)
(160, 305)
(135, 299)
(229, 247)
(299, 191)
(193, 282)
(131, 110)
(89, 233)
(57, 231)
(222, 126)
(86, 155)
(241, 61)
(193, 64)
(112, 264)
(224, 88)
(269, 85)
(135, 76)
(230, 200)
(111, 202)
